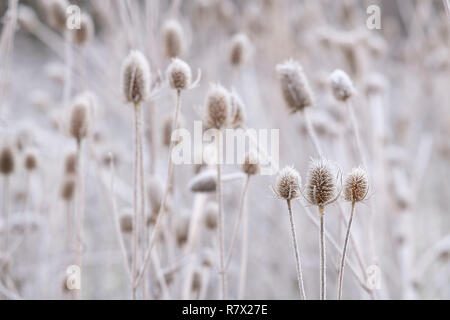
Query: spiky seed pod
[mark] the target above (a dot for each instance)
(126, 222)
(239, 49)
(6, 160)
(341, 85)
(237, 110)
(136, 77)
(205, 181)
(57, 13)
(211, 215)
(70, 163)
(294, 85)
(287, 185)
(218, 107)
(30, 160)
(86, 31)
(80, 119)
(320, 183)
(173, 38)
(179, 74)
(356, 185)
(68, 187)
(251, 164)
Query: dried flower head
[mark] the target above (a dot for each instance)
(6, 160)
(320, 183)
(356, 185)
(57, 13)
(80, 118)
(294, 85)
(287, 185)
(70, 163)
(239, 49)
(251, 164)
(218, 107)
(30, 159)
(173, 37)
(205, 181)
(182, 231)
(211, 215)
(86, 31)
(237, 110)
(196, 280)
(155, 193)
(126, 222)
(341, 85)
(179, 74)
(136, 77)
(68, 187)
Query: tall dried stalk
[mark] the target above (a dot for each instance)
(221, 221)
(347, 235)
(80, 211)
(323, 280)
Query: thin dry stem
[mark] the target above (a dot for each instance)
(323, 285)
(221, 223)
(311, 132)
(341, 270)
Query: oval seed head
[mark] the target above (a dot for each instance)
(126, 222)
(86, 31)
(80, 119)
(135, 77)
(57, 13)
(294, 85)
(68, 187)
(356, 185)
(155, 194)
(218, 107)
(179, 74)
(172, 34)
(320, 183)
(196, 280)
(6, 160)
(237, 110)
(211, 215)
(239, 49)
(205, 181)
(70, 163)
(251, 164)
(182, 231)
(30, 160)
(287, 185)
(341, 85)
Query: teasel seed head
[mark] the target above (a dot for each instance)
(341, 85)
(126, 222)
(136, 79)
(7, 161)
(86, 31)
(205, 181)
(80, 119)
(218, 107)
(179, 75)
(356, 185)
(182, 231)
(196, 280)
(321, 186)
(239, 49)
(57, 13)
(30, 159)
(70, 163)
(173, 37)
(68, 187)
(287, 185)
(155, 194)
(294, 85)
(251, 164)
(211, 215)
(237, 110)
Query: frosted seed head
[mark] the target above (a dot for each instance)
(7, 162)
(341, 85)
(86, 31)
(218, 107)
(239, 47)
(136, 77)
(356, 185)
(294, 85)
(205, 181)
(287, 185)
(237, 114)
(320, 183)
(179, 75)
(80, 119)
(251, 164)
(173, 38)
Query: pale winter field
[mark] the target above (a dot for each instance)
(86, 117)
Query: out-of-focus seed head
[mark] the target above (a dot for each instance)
(211, 215)
(208, 258)
(173, 38)
(287, 185)
(68, 187)
(196, 280)
(70, 163)
(239, 47)
(182, 231)
(218, 107)
(86, 31)
(320, 183)
(205, 181)
(155, 194)
(294, 85)
(7, 162)
(126, 222)
(179, 74)
(167, 130)
(237, 110)
(80, 119)
(136, 77)
(57, 13)
(341, 85)
(356, 185)
(251, 164)
(30, 159)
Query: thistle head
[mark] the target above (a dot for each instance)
(173, 38)
(294, 85)
(179, 75)
(251, 164)
(237, 113)
(287, 185)
(80, 121)
(136, 77)
(321, 186)
(341, 85)
(239, 48)
(356, 185)
(218, 107)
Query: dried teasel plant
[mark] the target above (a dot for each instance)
(356, 188)
(173, 38)
(287, 187)
(7, 166)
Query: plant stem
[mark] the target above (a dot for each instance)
(341, 271)
(135, 199)
(244, 254)
(80, 209)
(323, 286)
(6, 208)
(312, 133)
(221, 221)
(301, 286)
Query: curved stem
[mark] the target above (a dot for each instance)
(301, 286)
(341, 271)
(323, 286)
(221, 221)
(244, 254)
